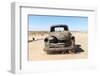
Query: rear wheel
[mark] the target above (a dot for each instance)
(73, 45)
(73, 40)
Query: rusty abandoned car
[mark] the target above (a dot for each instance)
(59, 39)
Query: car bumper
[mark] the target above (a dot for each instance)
(59, 49)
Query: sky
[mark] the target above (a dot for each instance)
(43, 23)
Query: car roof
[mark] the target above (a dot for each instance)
(59, 25)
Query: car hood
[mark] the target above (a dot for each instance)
(61, 35)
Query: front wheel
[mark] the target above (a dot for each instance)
(48, 52)
(63, 52)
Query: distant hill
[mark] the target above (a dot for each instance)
(38, 32)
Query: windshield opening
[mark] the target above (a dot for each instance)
(59, 29)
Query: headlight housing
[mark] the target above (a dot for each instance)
(53, 39)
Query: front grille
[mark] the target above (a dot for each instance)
(59, 43)
(66, 42)
(53, 41)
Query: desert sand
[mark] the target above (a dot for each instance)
(36, 47)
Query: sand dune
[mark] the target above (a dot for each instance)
(36, 47)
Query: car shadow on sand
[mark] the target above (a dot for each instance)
(78, 49)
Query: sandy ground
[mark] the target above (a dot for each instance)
(36, 48)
